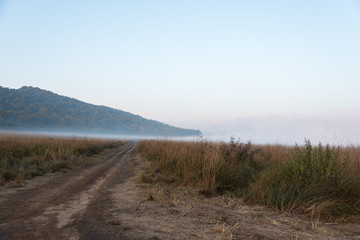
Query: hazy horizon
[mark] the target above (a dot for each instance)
(272, 72)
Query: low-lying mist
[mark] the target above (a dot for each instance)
(340, 128)
(97, 135)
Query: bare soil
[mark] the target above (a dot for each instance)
(109, 201)
(64, 206)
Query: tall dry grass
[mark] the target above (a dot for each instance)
(212, 166)
(23, 157)
(318, 180)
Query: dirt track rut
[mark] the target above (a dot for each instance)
(69, 206)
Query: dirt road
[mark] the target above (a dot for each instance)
(110, 201)
(67, 206)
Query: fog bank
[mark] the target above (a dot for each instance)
(338, 128)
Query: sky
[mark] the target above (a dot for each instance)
(270, 71)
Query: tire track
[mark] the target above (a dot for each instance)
(48, 212)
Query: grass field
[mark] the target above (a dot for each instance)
(319, 181)
(24, 157)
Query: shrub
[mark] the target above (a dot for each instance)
(240, 168)
(313, 181)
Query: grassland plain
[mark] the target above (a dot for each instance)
(138, 199)
(23, 157)
(319, 182)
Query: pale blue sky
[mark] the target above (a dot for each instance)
(189, 63)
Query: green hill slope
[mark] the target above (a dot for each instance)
(39, 109)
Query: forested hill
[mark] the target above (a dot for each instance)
(34, 108)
